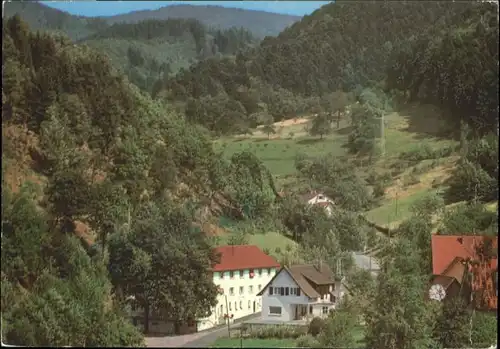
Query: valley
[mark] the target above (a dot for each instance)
(167, 173)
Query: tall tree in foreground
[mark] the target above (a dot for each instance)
(398, 318)
(453, 325)
(163, 263)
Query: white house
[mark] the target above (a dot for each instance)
(242, 272)
(320, 199)
(300, 292)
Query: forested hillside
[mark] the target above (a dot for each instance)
(260, 23)
(148, 51)
(41, 17)
(151, 51)
(338, 47)
(92, 170)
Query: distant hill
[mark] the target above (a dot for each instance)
(260, 23)
(40, 16)
(147, 50)
(150, 51)
(342, 46)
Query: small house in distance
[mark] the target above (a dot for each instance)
(300, 292)
(318, 199)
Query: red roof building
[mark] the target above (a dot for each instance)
(239, 257)
(452, 254)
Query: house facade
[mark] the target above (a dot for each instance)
(241, 274)
(466, 266)
(319, 199)
(300, 292)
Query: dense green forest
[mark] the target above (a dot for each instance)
(338, 47)
(104, 187)
(151, 51)
(82, 146)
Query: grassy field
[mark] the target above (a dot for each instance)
(253, 343)
(406, 131)
(277, 244)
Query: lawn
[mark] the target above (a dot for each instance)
(253, 343)
(278, 155)
(395, 211)
(271, 241)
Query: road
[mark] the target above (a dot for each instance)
(195, 340)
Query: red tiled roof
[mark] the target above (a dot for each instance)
(239, 257)
(445, 248)
(448, 249)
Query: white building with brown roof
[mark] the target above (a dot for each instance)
(300, 292)
(319, 199)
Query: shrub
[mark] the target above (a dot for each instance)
(484, 330)
(306, 341)
(316, 326)
(278, 331)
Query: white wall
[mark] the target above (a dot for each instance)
(320, 198)
(285, 302)
(239, 305)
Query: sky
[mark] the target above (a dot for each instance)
(110, 8)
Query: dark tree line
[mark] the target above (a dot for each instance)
(342, 46)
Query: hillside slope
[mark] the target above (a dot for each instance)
(152, 50)
(343, 45)
(42, 17)
(260, 23)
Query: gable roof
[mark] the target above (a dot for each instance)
(238, 257)
(445, 248)
(304, 276)
(450, 251)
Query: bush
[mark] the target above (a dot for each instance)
(484, 330)
(426, 152)
(316, 325)
(306, 341)
(278, 331)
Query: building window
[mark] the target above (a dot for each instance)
(250, 289)
(310, 309)
(241, 305)
(268, 271)
(259, 271)
(229, 307)
(221, 309)
(251, 273)
(271, 291)
(293, 291)
(241, 274)
(235, 306)
(287, 291)
(275, 311)
(260, 287)
(231, 291)
(241, 290)
(231, 274)
(221, 275)
(249, 305)
(282, 291)
(325, 310)
(298, 291)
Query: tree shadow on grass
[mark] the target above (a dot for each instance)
(425, 121)
(344, 131)
(310, 140)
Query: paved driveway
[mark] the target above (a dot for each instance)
(199, 339)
